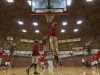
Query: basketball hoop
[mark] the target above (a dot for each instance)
(49, 17)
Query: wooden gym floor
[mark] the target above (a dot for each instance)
(51, 71)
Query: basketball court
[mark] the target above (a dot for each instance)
(22, 22)
(55, 71)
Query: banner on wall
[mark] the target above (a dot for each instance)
(69, 40)
(6, 51)
(23, 40)
(59, 41)
(73, 40)
(28, 52)
(39, 41)
(76, 49)
(64, 52)
(30, 41)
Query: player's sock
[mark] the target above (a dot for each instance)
(31, 65)
(35, 66)
(27, 71)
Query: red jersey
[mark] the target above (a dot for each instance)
(41, 58)
(8, 58)
(52, 31)
(92, 59)
(46, 63)
(86, 60)
(98, 54)
(95, 58)
(35, 51)
(1, 52)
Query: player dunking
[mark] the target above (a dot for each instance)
(1, 52)
(35, 54)
(53, 40)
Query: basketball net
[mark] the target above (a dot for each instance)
(49, 17)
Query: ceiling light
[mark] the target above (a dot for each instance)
(89, 0)
(20, 22)
(29, 2)
(79, 22)
(75, 30)
(10, 1)
(69, 2)
(35, 24)
(24, 30)
(64, 23)
(37, 31)
(62, 30)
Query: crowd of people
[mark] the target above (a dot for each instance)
(8, 58)
(95, 61)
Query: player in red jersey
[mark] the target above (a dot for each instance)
(53, 41)
(8, 58)
(99, 57)
(46, 64)
(92, 62)
(1, 53)
(42, 61)
(35, 54)
(95, 61)
(98, 54)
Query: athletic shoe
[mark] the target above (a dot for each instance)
(27, 71)
(36, 72)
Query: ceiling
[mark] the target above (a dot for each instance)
(19, 10)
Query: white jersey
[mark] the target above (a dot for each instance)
(83, 60)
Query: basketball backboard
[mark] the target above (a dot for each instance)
(43, 7)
